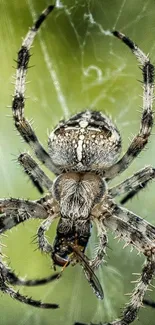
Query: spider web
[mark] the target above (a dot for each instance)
(78, 64)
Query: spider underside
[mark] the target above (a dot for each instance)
(84, 155)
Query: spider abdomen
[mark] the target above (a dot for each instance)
(86, 142)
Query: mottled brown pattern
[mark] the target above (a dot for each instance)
(83, 155)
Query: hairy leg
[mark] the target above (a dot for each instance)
(23, 126)
(136, 234)
(26, 300)
(131, 310)
(133, 184)
(43, 243)
(132, 193)
(141, 139)
(135, 237)
(10, 277)
(15, 211)
(149, 303)
(139, 225)
(35, 173)
(101, 251)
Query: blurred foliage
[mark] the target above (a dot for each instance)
(76, 65)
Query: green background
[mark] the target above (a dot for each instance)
(76, 65)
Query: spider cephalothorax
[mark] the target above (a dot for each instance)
(84, 155)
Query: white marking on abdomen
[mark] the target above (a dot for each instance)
(79, 147)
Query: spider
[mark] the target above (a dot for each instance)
(84, 156)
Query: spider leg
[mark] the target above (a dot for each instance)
(133, 184)
(10, 277)
(35, 173)
(15, 211)
(43, 243)
(149, 303)
(133, 223)
(140, 234)
(132, 193)
(101, 251)
(143, 243)
(23, 126)
(26, 300)
(141, 139)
